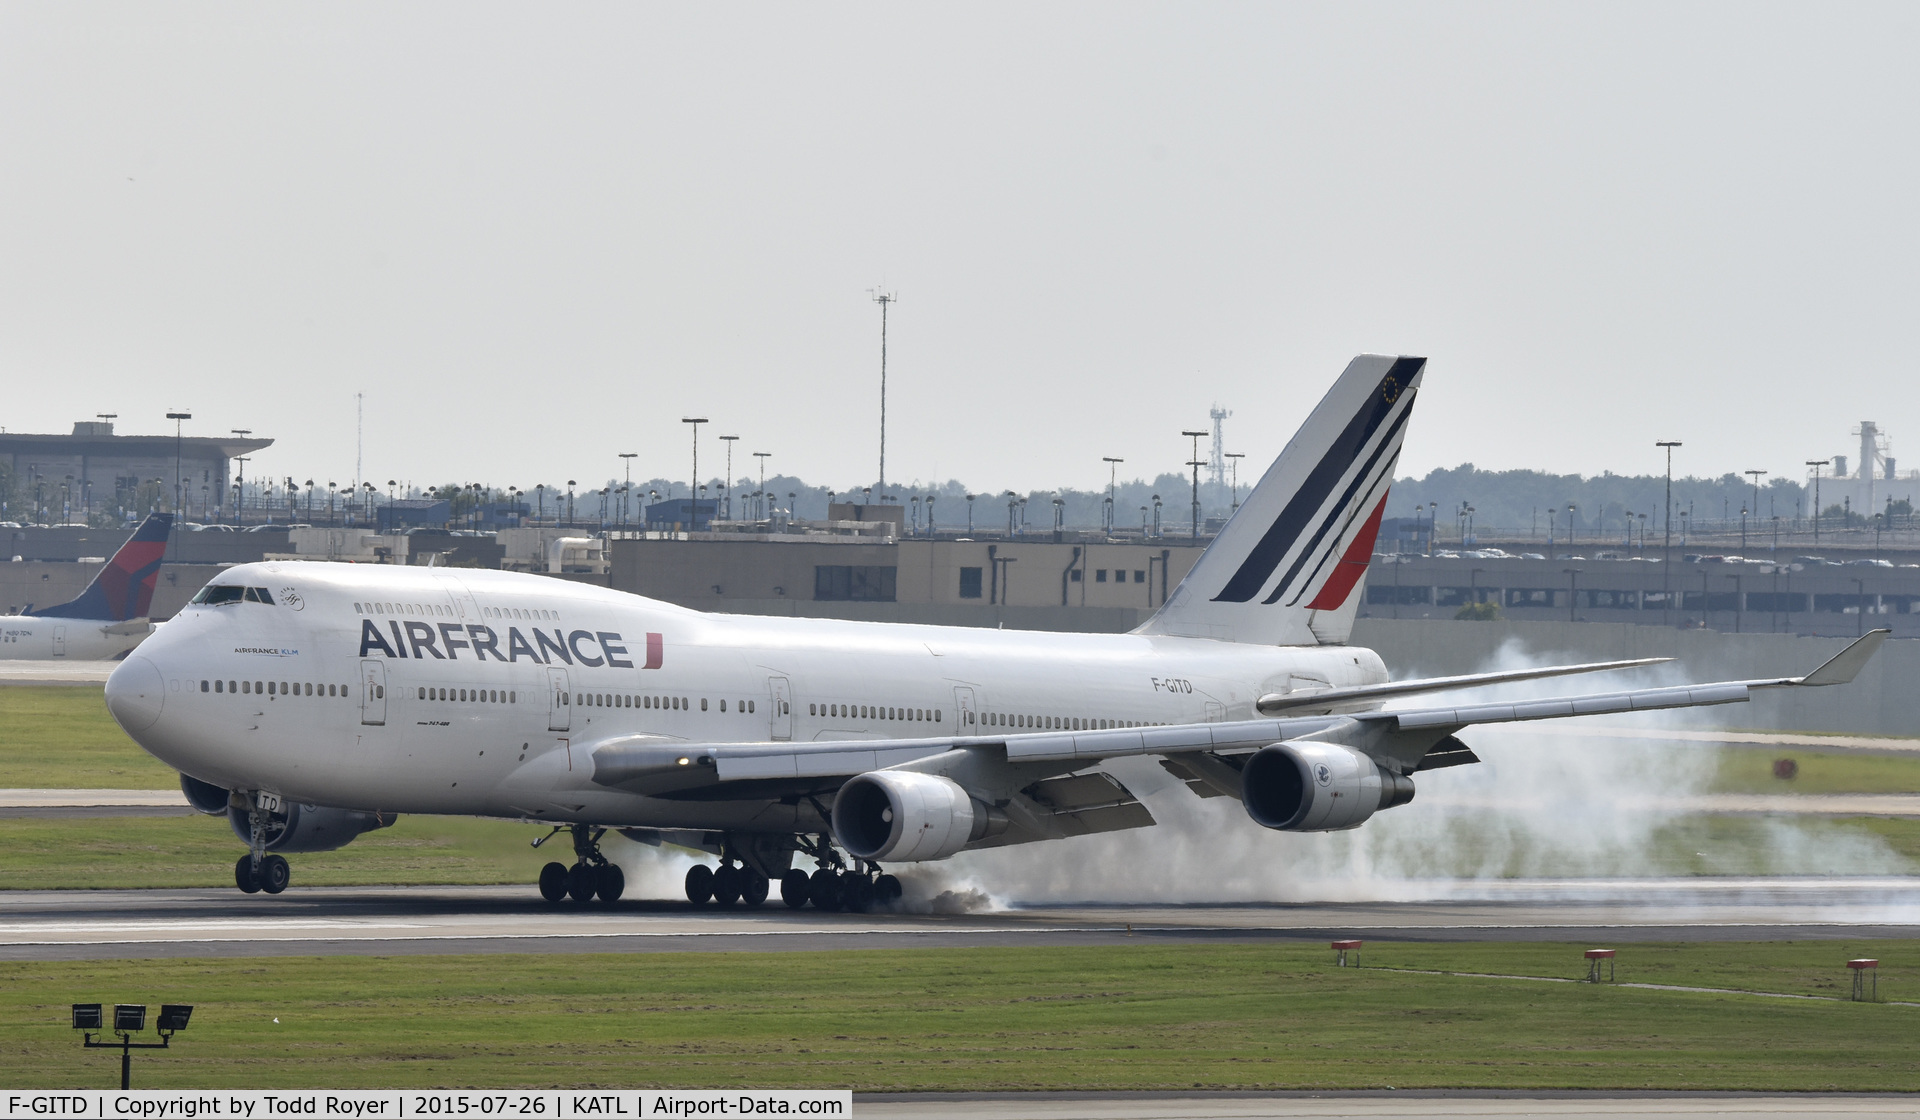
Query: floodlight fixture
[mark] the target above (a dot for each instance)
(173, 1017)
(129, 1017)
(87, 1017)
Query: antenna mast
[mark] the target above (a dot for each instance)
(359, 435)
(883, 298)
(1217, 464)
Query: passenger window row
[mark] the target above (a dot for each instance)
(520, 613)
(470, 695)
(1058, 723)
(877, 711)
(276, 688)
(648, 701)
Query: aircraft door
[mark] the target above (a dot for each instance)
(559, 700)
(373, 692)
(781, 719)
(59, 641)
(963, 717)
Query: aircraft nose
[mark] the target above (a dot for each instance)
(135, 694)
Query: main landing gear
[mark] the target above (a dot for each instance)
(592, 874)
(832, 886)
(260, 870)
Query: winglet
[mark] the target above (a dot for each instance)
(1842, 667)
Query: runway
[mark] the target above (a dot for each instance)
(217, 922)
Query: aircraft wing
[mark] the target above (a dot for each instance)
(1330, 698)
(1402, 739)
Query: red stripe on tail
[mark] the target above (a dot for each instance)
(1353, 564)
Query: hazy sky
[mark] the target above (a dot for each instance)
(536, 236)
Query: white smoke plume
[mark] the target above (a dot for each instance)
(1547, 802)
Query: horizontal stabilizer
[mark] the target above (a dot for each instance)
(1842, 667)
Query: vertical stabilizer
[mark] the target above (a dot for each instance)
(1290, 568)
(124, 588)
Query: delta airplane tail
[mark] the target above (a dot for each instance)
(1288, 568)
(124, 588)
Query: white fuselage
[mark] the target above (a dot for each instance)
(481, 692)
(25, 637)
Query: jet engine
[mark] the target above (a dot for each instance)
(310, 828)
(1318, 787)
(205, 797)
(899, 815)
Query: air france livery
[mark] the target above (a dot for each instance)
(110, 616)
(310, 702)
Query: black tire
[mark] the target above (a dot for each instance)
(612, 882)
(553, 882)
(727, 885)
(824, 889)
(699, 883)
(887, 890)
(582, 878)
(275, 874)
(753, 887)
(856, 893)
(243, 876)
(793, 888)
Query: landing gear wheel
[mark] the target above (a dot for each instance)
(243, 876)
(582, 878)
(793, 888)
(824, 889)
(726, 885)
(886, 890)
(275, 874)
(611, 881)
(856, 892)
(753, 887)
(553, 882)
(699, 883)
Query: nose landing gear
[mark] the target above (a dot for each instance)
(260, 870)
(592, 874)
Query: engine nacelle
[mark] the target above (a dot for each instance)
(1318, 787)
(899, 815)
(310, 828)
(205, 797)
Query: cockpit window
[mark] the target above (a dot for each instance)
(214, 594)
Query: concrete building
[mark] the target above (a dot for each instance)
(60, 478)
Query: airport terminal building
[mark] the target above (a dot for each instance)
(94, 469)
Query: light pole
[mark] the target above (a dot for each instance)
(129, 1019)
(970, 498)
(1666, 548)
(1196, 464)
(1816, 464)
(693, 491)
(177, 418)
(762, 456)
(884, 299)
(570, 485)
(1113, 486)
(626, 458)
(1236, 456)
(726, 485)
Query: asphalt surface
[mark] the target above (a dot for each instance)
(218, 922)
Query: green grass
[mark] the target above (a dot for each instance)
(1134, 1017)
(63, 738)
(1747, 770)
(197, 851)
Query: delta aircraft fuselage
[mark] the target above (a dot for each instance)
(26, 637)
(417, 690)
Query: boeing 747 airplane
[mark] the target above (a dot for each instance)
(309, 703)
(110, 616)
